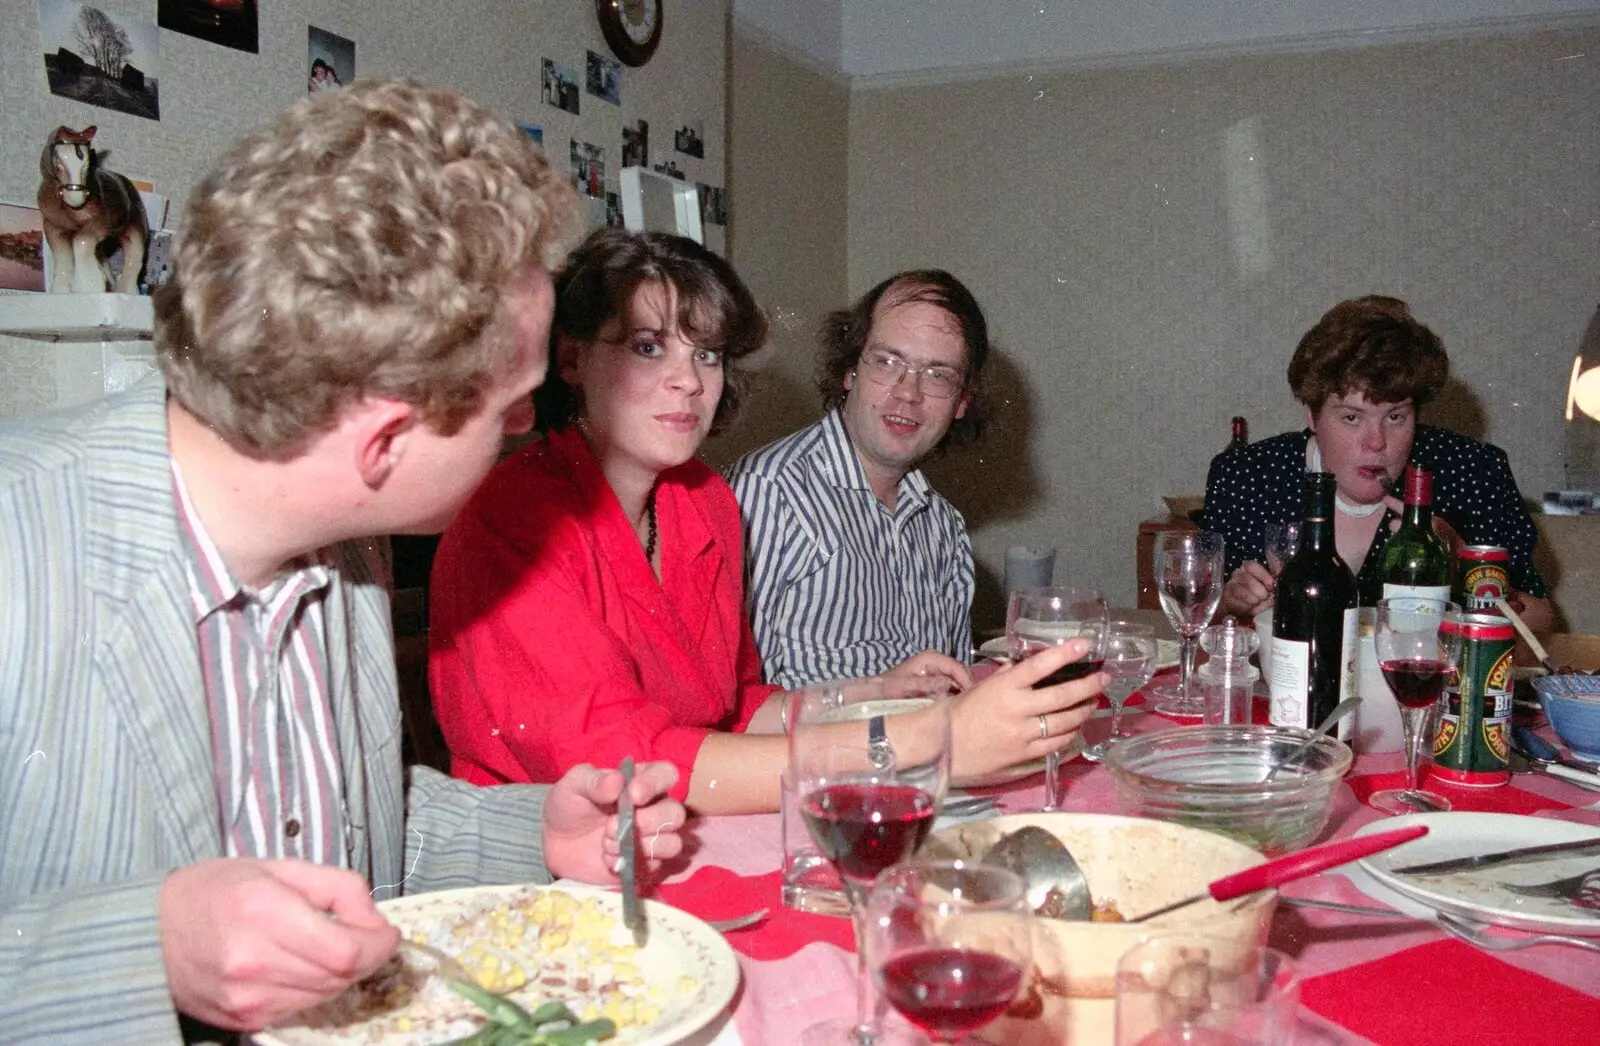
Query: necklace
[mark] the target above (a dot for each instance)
(1349, 508)
(650, 539)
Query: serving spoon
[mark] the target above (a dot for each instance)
(1340, 710)
(1056, 886)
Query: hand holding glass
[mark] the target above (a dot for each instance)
(1130, 662)
(1039, 618)
(1418, 643)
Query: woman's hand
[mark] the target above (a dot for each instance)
(1248, 591)
(580, 822)
(1004, 721)
(933, 663)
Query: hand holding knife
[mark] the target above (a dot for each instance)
(627, 864)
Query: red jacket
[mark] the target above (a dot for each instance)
(551, 643)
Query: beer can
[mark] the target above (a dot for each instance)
(1482, 576)
(1472, 743)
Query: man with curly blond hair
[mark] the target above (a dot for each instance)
(198, 705)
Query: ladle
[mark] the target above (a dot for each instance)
(1056, 886)
(1340, 710)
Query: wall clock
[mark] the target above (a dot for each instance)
(632, 28)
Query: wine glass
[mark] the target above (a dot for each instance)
(1418, 643)
(951, 943)
(1130, 662)
(1186, 989)
(1279, 541)
(871, 762)
(1040, 618)
(1189, 579)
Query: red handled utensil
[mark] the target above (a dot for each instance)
(1282, 870)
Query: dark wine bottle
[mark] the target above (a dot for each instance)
(1314, 621)
(1241, 435)
(1416, 562)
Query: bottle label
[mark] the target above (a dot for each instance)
(1423, 594)
(1289, 682)
(1349, 666)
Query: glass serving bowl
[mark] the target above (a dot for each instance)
(1210, 777)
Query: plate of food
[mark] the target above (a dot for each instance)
(537, 945)
(1168, 652)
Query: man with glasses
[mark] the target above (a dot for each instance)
(853, 563)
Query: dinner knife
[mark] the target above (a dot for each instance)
(632, 912)
(1490, 860)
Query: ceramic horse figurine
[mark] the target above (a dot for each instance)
(87, 212)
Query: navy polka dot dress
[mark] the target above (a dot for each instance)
(1472, 488)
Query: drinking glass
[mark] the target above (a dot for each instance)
(1280, 541)
(951, 943)
(868, 800)
(1040, 618)
(1190, 989)
(1189, 579)
(1130, 662)
(1418, 642)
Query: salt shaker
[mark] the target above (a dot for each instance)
(1227, 679)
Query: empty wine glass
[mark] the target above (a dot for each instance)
(1040, 618)
(1189, 579)
(871, 762)
(1280, 540)
(1418, 643)
(951, 943)
(1130, 662)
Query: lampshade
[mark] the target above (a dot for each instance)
(1583, 392)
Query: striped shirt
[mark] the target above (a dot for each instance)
(837, 585)
(264, 660)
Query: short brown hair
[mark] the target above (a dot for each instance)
(1371, 345)
(844, 335)
(715, 309)
(359, 245)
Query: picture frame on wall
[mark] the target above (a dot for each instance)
(22, 253)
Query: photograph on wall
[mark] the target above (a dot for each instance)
(534, 132)
(588, 168)
(560, 87)
(636, 144)
(713, 204)
(613, 209)
(231, 23)
(21, 248)
(670, 169)
(330, 60)
(691, 139)
(604, 78)
(112, 61)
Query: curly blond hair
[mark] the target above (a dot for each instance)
(359, 245)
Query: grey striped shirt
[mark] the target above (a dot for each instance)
(837, 585)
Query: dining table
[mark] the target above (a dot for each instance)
(1391, 981)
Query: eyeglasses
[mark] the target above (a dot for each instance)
(885, 368)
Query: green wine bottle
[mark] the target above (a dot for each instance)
(1416, 562)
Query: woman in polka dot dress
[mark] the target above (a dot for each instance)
(1361, 373)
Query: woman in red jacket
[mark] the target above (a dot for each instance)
(588, 602)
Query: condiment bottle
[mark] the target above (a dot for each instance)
(1228, 679)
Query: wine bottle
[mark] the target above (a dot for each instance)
(1416, 562)
(1241, 435)
(1314, 621)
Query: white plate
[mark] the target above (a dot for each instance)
(689, 971)
(1168, 652)
(1478, 894)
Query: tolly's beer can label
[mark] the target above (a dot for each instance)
(1473, 742)
(1481, 578)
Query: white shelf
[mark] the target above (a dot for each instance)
(77, 317)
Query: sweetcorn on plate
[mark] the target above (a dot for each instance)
(535, 944)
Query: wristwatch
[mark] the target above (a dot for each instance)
(878, 748)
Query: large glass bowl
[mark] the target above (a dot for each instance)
(1210, 777)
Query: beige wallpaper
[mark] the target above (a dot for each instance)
(1151, 242)
(489, 49)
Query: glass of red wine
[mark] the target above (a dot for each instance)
(1040, 618)
(1418, 643)
(1189, 578)
(871, 762)
(951, 944)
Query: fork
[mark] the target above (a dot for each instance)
(1582, 889)
(738, 923)
(1478, 936)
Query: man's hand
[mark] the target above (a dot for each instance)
(580, 824)
(248, 942)
(933, 663)
(1248, 591)
(996, 724)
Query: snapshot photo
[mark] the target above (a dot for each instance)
(604, 78)
(614, 210)
(588, 168)
(231, 23)
(670, 169)
(534, 132)
(636, 144)
(112, 61)
(330, 60)
(691, 139)
(560, 87)
(21, 248)
(713, 204)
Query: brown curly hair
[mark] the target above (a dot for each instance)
(359, 245)
(715, 310)
(1371, 345)
(844, 335)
